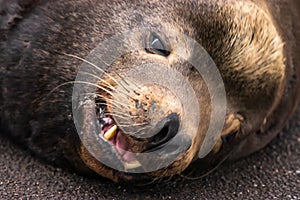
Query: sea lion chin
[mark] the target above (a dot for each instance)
(51, 59)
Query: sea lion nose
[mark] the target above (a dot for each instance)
(164, 131)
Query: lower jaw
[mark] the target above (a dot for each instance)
(112, 174)
(112, 134)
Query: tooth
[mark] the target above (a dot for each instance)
(111, 132)
(132, 165)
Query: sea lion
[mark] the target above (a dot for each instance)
(254, 45)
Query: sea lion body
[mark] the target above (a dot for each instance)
(254, 44)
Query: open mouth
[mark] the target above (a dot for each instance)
(112, 133)
(161, 134)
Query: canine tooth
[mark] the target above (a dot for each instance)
(111, 132)
(132, 165)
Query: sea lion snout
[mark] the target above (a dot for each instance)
(143, 122)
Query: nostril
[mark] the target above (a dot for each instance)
(161, 136)
(170, 126)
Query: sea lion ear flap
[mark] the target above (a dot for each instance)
(12, 11)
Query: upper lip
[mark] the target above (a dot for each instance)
(88, 129)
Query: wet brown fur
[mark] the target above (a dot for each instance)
(254, 43)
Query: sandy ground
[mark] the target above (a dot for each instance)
(272, 173)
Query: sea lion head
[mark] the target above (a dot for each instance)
(144, 109)
(152, 86)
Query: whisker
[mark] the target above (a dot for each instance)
(61, 85)
(120, 113)
(102, 88)
(135, 132)
(130, 124)
(122, 78)
(111, 100)
(113, 104)
(96, 85)
(168, 179)
(120, 116)
(189, 174)
(126, 82)
(92, 64)
(151, 181)
(99, 78)
(95, 66)
(107, 84)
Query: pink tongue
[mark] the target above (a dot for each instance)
(119, 141)
(123, 148)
